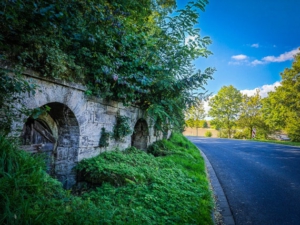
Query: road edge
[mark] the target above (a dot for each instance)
(220, 197)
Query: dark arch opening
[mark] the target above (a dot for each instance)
(139, 138)
(56, 135)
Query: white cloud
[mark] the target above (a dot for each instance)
(281, 58)
(239, 57)
(257, 62)
(255, 45)
(235, 62)
(264, 90)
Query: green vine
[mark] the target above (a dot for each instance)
(104, 139)
(11, 90)
(121, 128)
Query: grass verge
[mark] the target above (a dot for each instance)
(117, 187)
(279, 142)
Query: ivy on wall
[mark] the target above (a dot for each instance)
(104, 138)
(122, 128)
(10, 89)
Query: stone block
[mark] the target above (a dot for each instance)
(62, 168)
(112, 104)
(89, 116)
(111, 110)
(101, 118)
(121, 106)
(64, 141)
(86, 141)
(90, 106)
(62, 153)
(72, 154)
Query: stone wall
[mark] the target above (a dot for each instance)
(200, 132)
(75, 123)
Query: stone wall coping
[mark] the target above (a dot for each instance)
(77, 86)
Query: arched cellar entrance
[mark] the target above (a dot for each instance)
(56, 134)
(38, 137)
(139, 138)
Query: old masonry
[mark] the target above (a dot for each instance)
(71, 130)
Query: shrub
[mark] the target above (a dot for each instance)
(208, 134)
(241, 134)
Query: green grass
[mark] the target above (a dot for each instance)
(117, 187)
(279, 142)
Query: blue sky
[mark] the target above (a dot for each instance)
(253, 41)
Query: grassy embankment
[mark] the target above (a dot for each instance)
(166, 186)
(279, 142)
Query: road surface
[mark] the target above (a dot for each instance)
(261, 181)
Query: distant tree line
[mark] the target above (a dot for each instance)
(237, 115)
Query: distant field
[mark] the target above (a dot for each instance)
(201, 131)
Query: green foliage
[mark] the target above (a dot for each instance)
(241, 134)
(104, 138)
(35, 113)
(250, 114)
(28, 195)
(160, 148)
(281, 108)
(292, 126)
(137, 188)
(225, 107)
(11, 89)
(121, 128)
(196, 123)
(195, 114)
(130, 51)
(208, 134)
(223, 133)
(24, 187)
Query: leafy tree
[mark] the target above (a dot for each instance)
(250, 113)
(281, 108)
(130, 51)
(225, 107)
(195, 115)
(273, 113)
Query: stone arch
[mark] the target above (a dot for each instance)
(139, 138)
(57, 133)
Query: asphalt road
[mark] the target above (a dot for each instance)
(261, 181)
